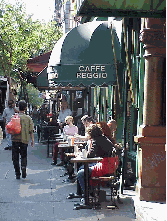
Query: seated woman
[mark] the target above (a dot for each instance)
(101, 147)
(106, 130)
(69, 129)
(113, 127)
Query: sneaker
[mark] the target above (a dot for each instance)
(24, 172)
(53, 163)
(17, 176)
(82, 200)
(7, 148)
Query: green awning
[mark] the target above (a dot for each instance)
(122, 8)
(42, 79)
(85, 55)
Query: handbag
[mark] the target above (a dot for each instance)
(14, 126)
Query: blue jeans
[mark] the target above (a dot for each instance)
(80, 176)
(8, 138)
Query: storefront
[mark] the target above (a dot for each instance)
(144, 78)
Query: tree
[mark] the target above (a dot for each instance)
(22, 38)
(33, 95)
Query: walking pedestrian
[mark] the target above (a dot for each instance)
(7, 114)
(20, 141)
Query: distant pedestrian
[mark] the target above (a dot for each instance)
(20, 141)
(35, 118)
(7, 114)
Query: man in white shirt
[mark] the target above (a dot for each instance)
(7, 114)
(64, 112)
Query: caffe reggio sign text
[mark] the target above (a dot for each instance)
(85, 74)
(93, 71)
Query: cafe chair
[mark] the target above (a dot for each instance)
(51, 135)
(111, 181)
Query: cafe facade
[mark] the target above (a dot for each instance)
(144, 91)
(121, 79)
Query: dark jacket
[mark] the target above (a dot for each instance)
(101, 147)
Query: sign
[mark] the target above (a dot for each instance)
(86, 74)
(91, 71)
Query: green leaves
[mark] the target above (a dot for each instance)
(32, 93)
(22, 38)
(34, 96)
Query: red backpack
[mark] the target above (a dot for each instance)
(14, 126)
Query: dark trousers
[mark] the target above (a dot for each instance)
(55, 152)
(19, 148)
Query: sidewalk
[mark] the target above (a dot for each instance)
(42, 195)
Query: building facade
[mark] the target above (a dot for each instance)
(64, 14)
(144, 88)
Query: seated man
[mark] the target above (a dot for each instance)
(101, 147)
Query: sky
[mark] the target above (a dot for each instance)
(41, 9)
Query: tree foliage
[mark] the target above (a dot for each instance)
(34, 96)
(22, 38)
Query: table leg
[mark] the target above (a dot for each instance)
(48, 148)
(87, 204)
(86, 175)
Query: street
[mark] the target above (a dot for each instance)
(42, 195)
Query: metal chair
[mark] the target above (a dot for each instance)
(111, 181)
(51, 135)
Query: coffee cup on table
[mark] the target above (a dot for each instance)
(84, 152)
(75, 149)
(71, 141)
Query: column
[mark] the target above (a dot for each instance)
(151, 183)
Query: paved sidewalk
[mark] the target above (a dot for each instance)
(42, 195)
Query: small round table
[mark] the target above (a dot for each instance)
(86, 162)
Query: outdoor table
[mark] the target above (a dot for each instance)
(86, 162)
(65, 146)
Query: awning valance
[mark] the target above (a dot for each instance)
(85, 55)
(122, 8)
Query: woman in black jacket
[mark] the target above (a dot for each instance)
(101, 147)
